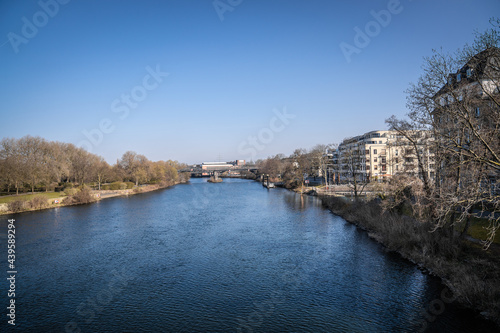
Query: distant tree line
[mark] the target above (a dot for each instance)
(31, 164)
(293, 169)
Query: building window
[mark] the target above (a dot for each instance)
(374, 159)
(460, 98)
(397, 167)
(374, 151)
(459, 77)
(478, 112)
(367, 152)
(380, 142)
(397, 152)
(469, 72)
(383, 160)
(374, 167)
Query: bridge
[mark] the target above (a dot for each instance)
(200, 172)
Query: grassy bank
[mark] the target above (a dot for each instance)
(472, 273)
(27, 197)
(34, 202)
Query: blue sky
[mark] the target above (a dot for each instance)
(231, 69)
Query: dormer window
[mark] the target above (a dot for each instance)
(469, 72)
(459, 77)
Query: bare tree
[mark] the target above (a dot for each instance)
(350, 161)
(10, 164)
(457, 100)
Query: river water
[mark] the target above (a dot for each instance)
(227, 257)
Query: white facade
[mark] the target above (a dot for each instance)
(377, 155)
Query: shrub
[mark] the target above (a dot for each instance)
(130, 185)
(70, 191)
(117, 186)
(17, 206)
(83, 196)
(38, 202)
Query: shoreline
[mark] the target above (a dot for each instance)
(437, 264)
(98, 195)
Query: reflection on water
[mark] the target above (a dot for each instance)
(224, 257)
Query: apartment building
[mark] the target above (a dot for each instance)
(378, 155)
(467, 115)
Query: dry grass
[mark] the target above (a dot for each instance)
(472, 273)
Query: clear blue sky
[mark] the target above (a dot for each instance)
(225, 77)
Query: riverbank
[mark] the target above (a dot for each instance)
(471, 273)
(95, 195)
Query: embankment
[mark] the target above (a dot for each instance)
(473, 274)
(27, 206)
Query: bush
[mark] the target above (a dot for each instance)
(105, 187)
(17, 206)
(129, 185)
(117, 186)
(38, 202)
(83, 196)
(70, 191)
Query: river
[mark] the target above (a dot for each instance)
(227, 257)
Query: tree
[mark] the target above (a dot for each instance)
(457, 99)
(32, 159)
(321, 159)
(10, 164)
(418, 143)
(135, 167)
(350, 162)
(81, 164)
(101, 170)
